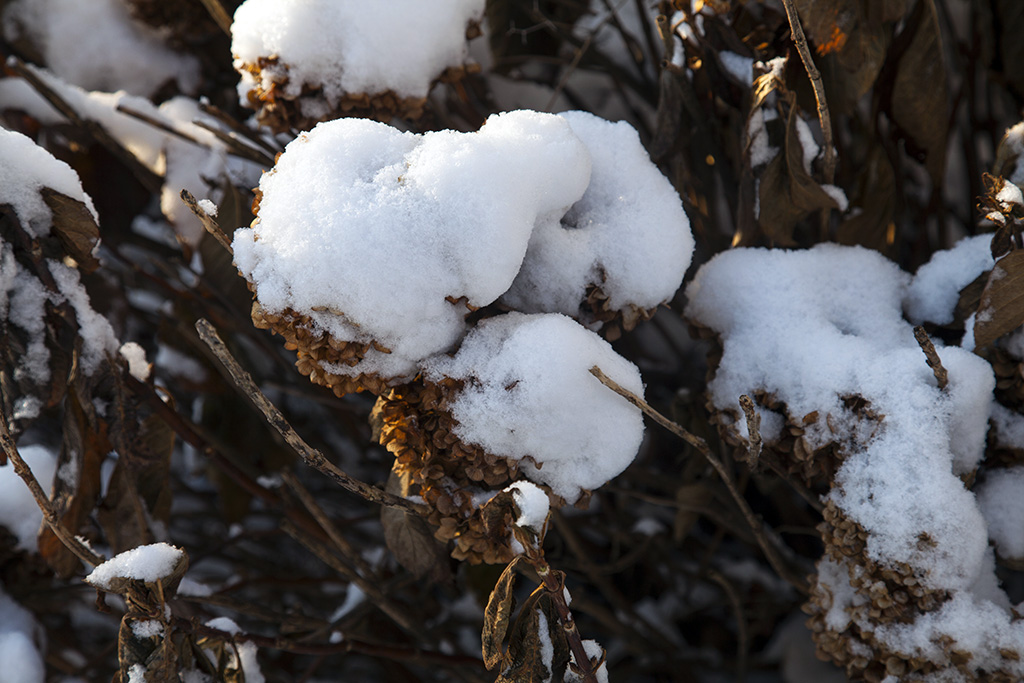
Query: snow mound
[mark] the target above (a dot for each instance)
(97, 46)
(529, 395)
(18, 509)
(628, 234)
(26, 170)
(374, 233)
(147, 563)
(814, 326)
(935, 289)
(348, 46)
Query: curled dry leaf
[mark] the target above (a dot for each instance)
(410, 539)
(74, 225)
(1002, 303)
(497, 615)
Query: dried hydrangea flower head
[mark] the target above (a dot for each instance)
(370, 246)
(620, 251)
(304, 61)
(907, 584)
(516, 401)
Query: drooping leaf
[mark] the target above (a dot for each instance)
(497, 615)
(1009, 20)
(410, 539)
(919, 90)
(74, 225)
(849, 47)
(875, 196)
(787, 191)
(524, 661)
(1002, 303)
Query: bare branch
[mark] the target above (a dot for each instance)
(312, 457)
(753, 429)
(800, 40)
(50, 515)
(768, 545)
(207, 220)
(932, 357)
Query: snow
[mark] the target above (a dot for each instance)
(26, 170)
(533, 505)
(147, 628)
(95, 59)
(18, 509)
(1001, 498)
(98, 338)
(814, 326)
(353, 598)
(594, 651)
(739, 67)
(529, 392)
(244, 655)
(135, 355)
(181, 163)
(627, 202)
(935, 289)
(208, 206)
(368, 230)
(348, 46)
(19, 644)
(147, 563)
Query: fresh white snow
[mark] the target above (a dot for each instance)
(529, 392)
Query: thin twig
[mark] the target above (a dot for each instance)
(768, 545)
(219, 15)
(311, 456)
(329, 527)
(554, 582)
(394, 611)
(236, 146)
(150, 180)
(206, 219)
(932, 357)
(753, 430)
(800, 40)
(50, 515)
(158, 124)
(742, 640)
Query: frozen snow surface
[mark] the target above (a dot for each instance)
(813, 326)
(1001, 497)
(935, 289)
(26, 169)
(376, 234)
(18, 509)
(135, 355)
(244, 653)
(86, 43)
(351, 46)
(529, 392)
(533, 505)
(20, 658)
(182, 164)
(627, 233)
(146, 563)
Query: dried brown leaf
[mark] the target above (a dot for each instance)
(411, 539)
(74, 225)
(788, 193)
(497, 615)
(524, 661)
(875, 195)
(919, 97)
(1002, 303)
